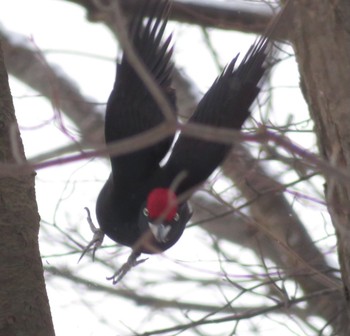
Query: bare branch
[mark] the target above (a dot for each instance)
(242, 16)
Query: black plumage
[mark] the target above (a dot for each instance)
(132, 110)
(139, 206)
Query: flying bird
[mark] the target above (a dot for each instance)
(144, 202)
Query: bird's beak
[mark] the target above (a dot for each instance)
(160, 231)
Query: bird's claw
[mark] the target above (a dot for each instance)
(131, 262)
(97, 238)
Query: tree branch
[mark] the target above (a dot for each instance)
(241, 16)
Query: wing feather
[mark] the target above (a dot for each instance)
(131, 108)
(226, 104)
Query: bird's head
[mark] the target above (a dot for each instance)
(162, 219)
(162, 214)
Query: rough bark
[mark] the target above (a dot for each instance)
(321, 37)
(24, 308)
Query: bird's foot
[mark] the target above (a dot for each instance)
(131, 262)
(97, 238)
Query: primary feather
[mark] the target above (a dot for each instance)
(131, 109)
(226, 104)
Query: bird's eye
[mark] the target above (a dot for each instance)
(176, 217)
(145, 212)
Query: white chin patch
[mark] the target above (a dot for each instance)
(160, 231)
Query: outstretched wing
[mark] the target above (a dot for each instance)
(226, 104)
(131, 108)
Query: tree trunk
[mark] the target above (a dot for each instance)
(24, 307)
(321, 37)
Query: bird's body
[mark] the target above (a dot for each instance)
(132, 110)
(128, 208)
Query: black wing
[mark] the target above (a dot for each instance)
(226, 104)
(131, 109)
